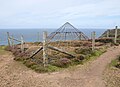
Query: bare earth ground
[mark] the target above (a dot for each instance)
(112, 77)
(15, 74)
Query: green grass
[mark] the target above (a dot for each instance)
(52, 68)
(113, 63)
(2, 50)
(94, 55)
(56, 66)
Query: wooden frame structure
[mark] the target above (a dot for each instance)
(107, 34)
(11, 39)
(67, 32)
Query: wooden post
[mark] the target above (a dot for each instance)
(108, 33)
(8, 37)
(45, 61)
(115, 39)
(12, 41)
(22, 43)
(93, 41)
(80, 36)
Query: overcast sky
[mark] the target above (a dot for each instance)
(54, 13)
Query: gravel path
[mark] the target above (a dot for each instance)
(15, 74)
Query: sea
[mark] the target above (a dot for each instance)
(36, 35)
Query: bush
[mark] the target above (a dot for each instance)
(84, 51)
(80, 57)
(40, 69)
(119, 58)
(114, 62)
(52, 68)
(95, 53)
(118, 66)
(76, 61)
(116, 44)
(29, 63)
(63, 62)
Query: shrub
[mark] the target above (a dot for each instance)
(83, 51)
(95, 53)
(114, 62)
(75, 61)
(119, 58)
(63, 62)
(116, 44)
(52, 68)
(40, 69)
(118, 66)
(29, 63)
(80, 57)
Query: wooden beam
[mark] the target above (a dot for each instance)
(115, 39)
(93, 41)
(59, 50)
(8, 37)
(15, 39)
(45, 60)
(12, 41)
(108, 31)
(22, 44)
(37, 51)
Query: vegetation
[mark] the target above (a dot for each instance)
(2, 50)
(116, 63)
(56, 60)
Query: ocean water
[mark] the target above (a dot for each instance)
(34, 35)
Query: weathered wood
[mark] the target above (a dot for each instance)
(80, 36)
(93, 41)
(59, 50)
(108, 31)
(12, 41)
(15, 39)
(37, 51)
(115, 39)
(22, 44)
(8, 37)
(45, 60)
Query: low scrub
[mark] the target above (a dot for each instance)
(83, 51)
(56, 60)
(116, 63)
(62, 62)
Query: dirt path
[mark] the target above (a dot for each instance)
(15, 74)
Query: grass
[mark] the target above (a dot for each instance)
(60, 64)
(82, 55)
(2, 50)
(94, 55)
(115, 63)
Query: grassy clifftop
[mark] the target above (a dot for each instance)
(111, 33)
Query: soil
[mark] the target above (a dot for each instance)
(15, 74)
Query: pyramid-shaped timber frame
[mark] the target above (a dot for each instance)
(66, 29)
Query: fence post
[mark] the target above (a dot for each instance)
(108, 31)
(80, 36)
(115, 39)
(45, 60)
(12, 41)
(93, 40)
(22, 43)
(8, 37)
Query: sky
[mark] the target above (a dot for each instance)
(16, 14)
